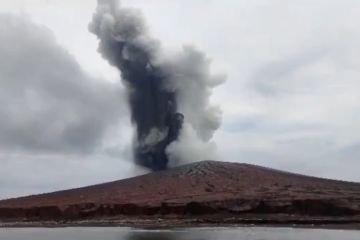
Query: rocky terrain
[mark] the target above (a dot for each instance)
(201, 192)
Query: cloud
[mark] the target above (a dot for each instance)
(48, 104)
(292, 99)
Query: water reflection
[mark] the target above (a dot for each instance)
(244, 233)
(153, 236)
(173, 235)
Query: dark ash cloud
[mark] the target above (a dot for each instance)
(169, 94)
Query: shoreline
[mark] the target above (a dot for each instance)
(159, 223)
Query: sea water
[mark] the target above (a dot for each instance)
(241, 233)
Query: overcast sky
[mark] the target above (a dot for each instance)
(291, 100)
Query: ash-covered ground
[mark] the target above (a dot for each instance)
(209, 191)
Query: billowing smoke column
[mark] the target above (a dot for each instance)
(158, 87)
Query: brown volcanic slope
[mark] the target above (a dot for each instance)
(207, 187)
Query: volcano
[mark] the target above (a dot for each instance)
(204, 191)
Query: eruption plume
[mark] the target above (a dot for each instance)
(168, 95)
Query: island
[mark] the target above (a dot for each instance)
(207, 193)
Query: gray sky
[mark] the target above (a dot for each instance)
(291, 100)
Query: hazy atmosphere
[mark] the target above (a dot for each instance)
(281, 82)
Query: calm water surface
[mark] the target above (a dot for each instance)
(243, 233)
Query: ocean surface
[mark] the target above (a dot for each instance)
(242, 233)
